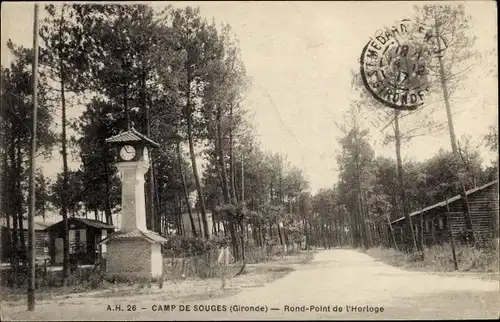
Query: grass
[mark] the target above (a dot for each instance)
(192, 288)
(439, 258)
(188, 278)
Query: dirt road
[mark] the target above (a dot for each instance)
(335, 285)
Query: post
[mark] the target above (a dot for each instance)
(392, 233)
(422, 234)
(32, 186)
(455, 262)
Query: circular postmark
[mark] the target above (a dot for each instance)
(394, 65)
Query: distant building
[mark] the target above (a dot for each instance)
(187, 229)
(41, 241)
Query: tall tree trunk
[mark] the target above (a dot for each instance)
(6, 186)
(271, 194)
(199, 219)
(366, 212)
(242, 231)
(107, 205)
(220, 224)
(255, 235)
(327, 234)
(201, 197)
(19, 205)
(14, 250)
(280, 178)
(160, 215)
(361, 217)
(125, 105)
(279, 231)
(242, 180)
(184, 188)
(456, 154)
(309, 238)
(395, 214)
(353, 221)
(280, 199)
(242, 217)
(225, 227)
(402, 186)
(375, 235)
(338, 232)
(178, 217)
(232, 178)
(43, 183)
(225, 184)
(262, 235)
(231, 155)
(151, 208)
(341, 232)
(214, 222)
(64, 199)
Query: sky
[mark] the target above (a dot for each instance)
(299, 56)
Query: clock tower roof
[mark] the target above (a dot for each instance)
(131, 136)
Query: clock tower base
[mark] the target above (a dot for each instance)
(134, 254)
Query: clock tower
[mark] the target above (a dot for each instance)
(133, 250)
(132, 153)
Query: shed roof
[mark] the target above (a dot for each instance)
(95, 223)
(451, 200)
(150, 236)
(131, 135)
(87, 222)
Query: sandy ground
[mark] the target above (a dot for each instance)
(326, 288)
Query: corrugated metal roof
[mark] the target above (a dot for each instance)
(136, 233)
(88, 222)
(443, 203)
(94, 223)
(131, 135)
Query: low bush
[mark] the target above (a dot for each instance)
(440, 258)
(183, 246)
(206, 266)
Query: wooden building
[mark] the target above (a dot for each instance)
(41, 241)
(431, 224)
(84, 237)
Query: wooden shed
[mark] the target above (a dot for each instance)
(431, 223)
(84, 236)
(41, 241)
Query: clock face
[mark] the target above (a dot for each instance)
(127, 152)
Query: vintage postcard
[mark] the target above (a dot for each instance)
(249, 160)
